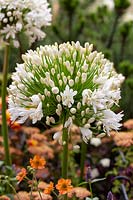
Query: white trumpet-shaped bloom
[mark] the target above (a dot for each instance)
(67, 96)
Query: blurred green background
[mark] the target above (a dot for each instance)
(108, 24)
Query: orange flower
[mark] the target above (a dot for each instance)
(8, 116)
(37, 162)
(21, 175)
(49, 189)
(15, 126)
(32, 142)
(64, 186)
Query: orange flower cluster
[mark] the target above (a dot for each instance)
(124, 139)
(64, 186)
(21, 175)
(37, 162)
(35, 195)
(30, 130)
(79, 192)
(37, 143)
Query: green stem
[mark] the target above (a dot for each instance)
(90, 187)
(123, 45)
(14, 191)
(4, 92)
(113, 30)
(82, 159)
(39, 191)
(32, 185)
(20, 48)
(65, 154)
(55, 194)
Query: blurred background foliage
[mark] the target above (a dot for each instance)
(107, 24)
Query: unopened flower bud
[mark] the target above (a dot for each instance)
(73, 110)
(55, 90)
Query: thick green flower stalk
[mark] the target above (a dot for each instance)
(4, 106)
(67, 84)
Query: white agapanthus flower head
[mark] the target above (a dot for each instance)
(27, 16)
(67, 81)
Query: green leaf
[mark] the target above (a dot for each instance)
(83, 183)
(97, 180)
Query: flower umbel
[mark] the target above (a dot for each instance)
(21, 175)
(64, 186)
(67, 80)
(29, 16)
(37, 162)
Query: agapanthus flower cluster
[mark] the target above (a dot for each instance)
(27, 16)
(68, 84)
